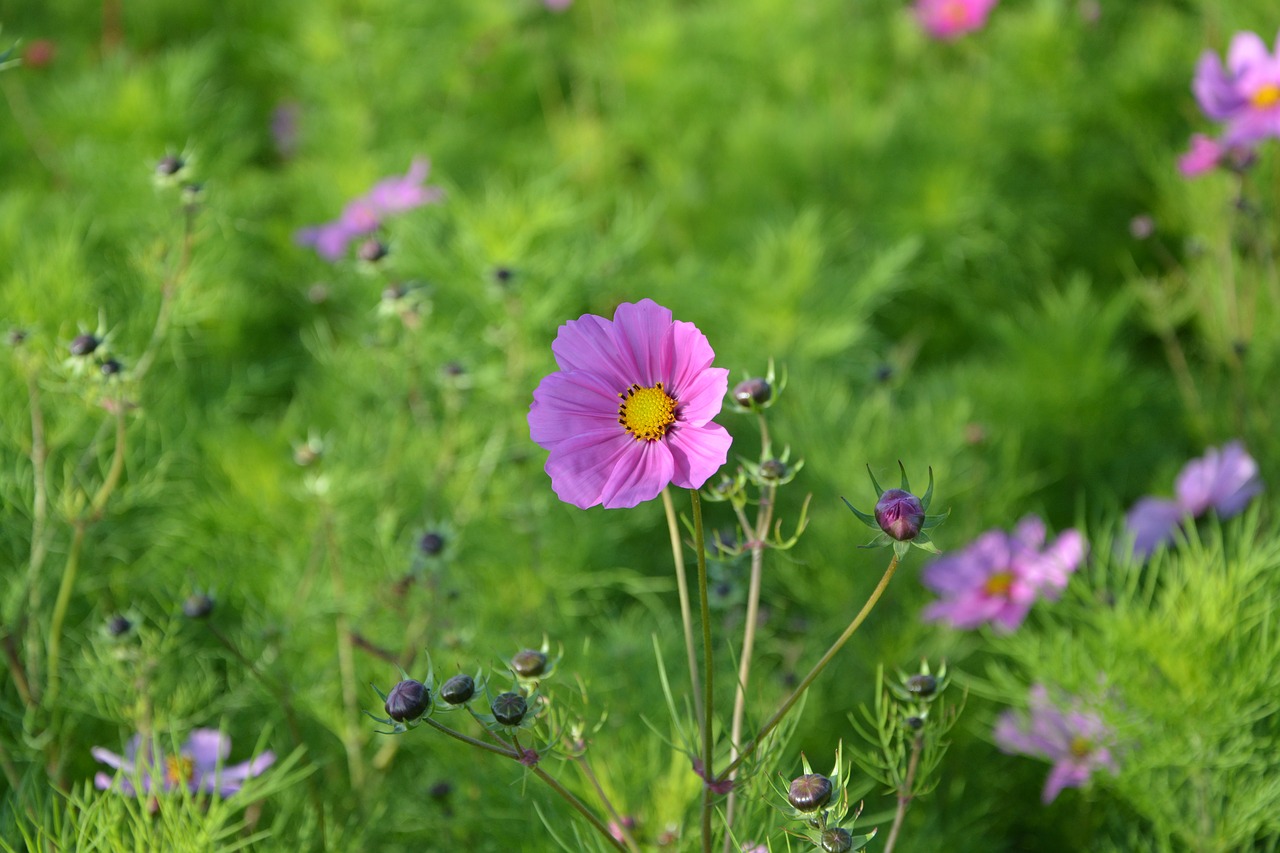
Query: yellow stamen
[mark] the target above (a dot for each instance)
(1080, 746)
(998, 585)
(647, 412)
(1268, 95)
(179, 769)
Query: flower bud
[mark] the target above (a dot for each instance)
(371, 250)
(458, 689)
(197, 606)
(503, 275)
(922, 685)
(17, 337)
(408, 701)
(431, 543)
(509, 708)
(111, 367)
(809, 792)
(899, 514)
(774, 470)
(529, 663)
(752, 392)
(837, 840)
(84, 344)
(118, 626)
(169, 166)
(915, 723)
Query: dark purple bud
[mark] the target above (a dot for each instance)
(509, 708)
(755, 391)
(371, 250)
(84, 344)
(169, 166)
(809, 792)
(431, 544)
(837, 840)
(17, 337)
(458, 689)
(197, 606)
(915, 723)
(503, 275)
(899, 514)
(111, 367)
(408, 701)
(453, 369)
(529, 663)
(922, 685)
(394, 293)
(440, 791)
(773, 470)
(118, 625)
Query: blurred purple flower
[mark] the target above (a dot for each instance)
(950, 19)
(1076, 741)
(557, 5)
(198, 766)
(999, 575)
(284, 128)
(1204, 155)
(1245, 94)
(363, 215)
(1223, 480)
(630, 409)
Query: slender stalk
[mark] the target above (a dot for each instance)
(585, 767)
(815, 672)
(682, 587)
(568, 796)
(167, 291)
(39, 543)
(764, 518)
(69, 572)
(708, 697)
(904, 795)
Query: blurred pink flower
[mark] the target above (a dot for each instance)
(1203, 156)
(1076, 741)
(999, 576)
(949, 19)
(630, 409)
(557, 5)
(1245, 93)
(198, 766)
(364, 215)
(1223, 480)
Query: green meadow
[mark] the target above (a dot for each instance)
(269, 486)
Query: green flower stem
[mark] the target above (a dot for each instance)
(346, 665)
(39, 542)
(816, 671)
(72, 567)
(682, 586)
(764, 518)
(568, 796)
(699, 545)
(904, 795)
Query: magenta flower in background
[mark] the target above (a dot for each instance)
(1204, 155)
(364, 215)
(999, 576)
(630, 409)
(1076, 741)
(1223, 480)
(950, 19)
(1245, 93)
(198, 766)
(557, 5)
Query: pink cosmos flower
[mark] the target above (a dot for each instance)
(1203, 156)
(1075, 740)
(630, 409)
(998, 576)
(1245, 94)
(364, 215)
(557, 5)
(950, 19)
(1224, 481)
(198, 766)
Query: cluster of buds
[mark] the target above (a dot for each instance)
(900, 516)
(410, 701)
(821, 806)
(90, 354)
(175, 170)
(408, 303)
(907, 730)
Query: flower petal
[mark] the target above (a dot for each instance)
(207, 748)
(580, 467)
(569, 403)
(697, 453)
(587, 344)
(641, 331)
(640, 477)
(1152, 522)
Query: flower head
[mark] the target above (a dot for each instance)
(630, 409)
(900, 516)
(1245, 93)
(1076, 741)
(364, 215)
(1223, 480)
(950, 19)
(198, 766)
(999, 576)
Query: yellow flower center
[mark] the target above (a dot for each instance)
(1080, 746)
(955, 13)
(998, 584)
(647, 412)
(178, 769)
(1267, 96)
